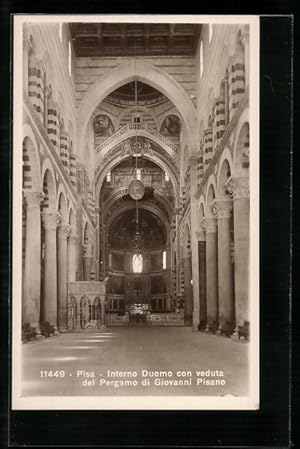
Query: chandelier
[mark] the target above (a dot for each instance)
(136, 187)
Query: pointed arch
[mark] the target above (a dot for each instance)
(146, 73)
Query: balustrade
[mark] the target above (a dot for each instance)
(130, 128)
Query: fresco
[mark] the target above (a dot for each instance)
(171, 126)
(103, 126)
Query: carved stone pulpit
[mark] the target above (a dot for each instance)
(86, 304)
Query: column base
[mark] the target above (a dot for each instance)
(39, 336)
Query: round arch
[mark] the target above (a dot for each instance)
(123, 191)
(142, 71)
(62, 207)
(201, 207)
(226, 156)
(49, 189)
(115, 160)
(62, 191)
(211, 192)
(72, 219)
(242, 123)
(34, 158)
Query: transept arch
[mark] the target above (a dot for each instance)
(142, 71)
(116, 158)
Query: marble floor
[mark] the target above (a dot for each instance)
(135, 361)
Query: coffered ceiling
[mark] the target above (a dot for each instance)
(129, 39)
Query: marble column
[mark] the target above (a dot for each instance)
(239, 188)
(72, 256)
(97, 243)
(32, 269)
(103, 305)
(223, 209)
(188, 290)
(62, 276)
(193, 161)
(51, 220)
(209, 225)
(202, 278)
(87, 264)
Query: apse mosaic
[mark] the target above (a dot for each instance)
(151, 230)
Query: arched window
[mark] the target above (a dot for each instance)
(70, 59)
(167, 177)
(108, 177)
(201, 59)
(138, 174)
(164, 260)
(137, 263)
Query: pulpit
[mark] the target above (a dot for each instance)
(86, 304)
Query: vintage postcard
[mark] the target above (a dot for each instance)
(135, 212)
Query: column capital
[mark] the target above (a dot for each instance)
(51, 219)
(238, 187)
(64, 231)
(209, 224)
(222, 208)
(34, 199)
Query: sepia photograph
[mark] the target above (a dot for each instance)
(135, 212)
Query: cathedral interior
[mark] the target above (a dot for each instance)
(135, 178)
